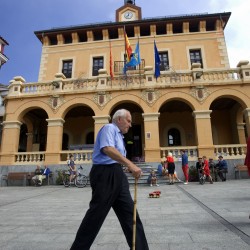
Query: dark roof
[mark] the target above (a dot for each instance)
(173, 18)
(1, 38)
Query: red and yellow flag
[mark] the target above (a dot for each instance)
(128, 48)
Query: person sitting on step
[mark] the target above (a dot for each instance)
(152, 179)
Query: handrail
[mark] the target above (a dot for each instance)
(228, 151)
(134, 79)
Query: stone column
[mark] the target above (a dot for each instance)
(204, 136)
(100, 121)
(241, 133)
(152, 142)
(54, 140)
(247, 120)
(29, 141)
(10, 141)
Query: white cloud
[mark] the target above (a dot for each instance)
(237, 32)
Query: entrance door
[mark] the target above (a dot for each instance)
(133, 142)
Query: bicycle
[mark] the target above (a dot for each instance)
(202, 177)
(80, 180)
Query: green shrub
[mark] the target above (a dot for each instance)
(59, 178)
(193, 175)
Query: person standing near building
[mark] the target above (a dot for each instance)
(221, 168)
(171, 167)
(184, 163)
(206, 169)
(72, 169)
(247, 159)
(212, 168)
(110, 187)
(199, 165)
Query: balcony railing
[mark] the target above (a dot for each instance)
(229, 151)
(119, 67)
(135, 79)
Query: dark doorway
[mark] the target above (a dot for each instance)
(133, 142)
(65, 142)
(23, 138)
(90, 138)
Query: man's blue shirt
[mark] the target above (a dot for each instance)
(184, 159)
(222, 164)
(108, 136)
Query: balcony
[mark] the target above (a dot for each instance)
(136, 78)
(232, 151)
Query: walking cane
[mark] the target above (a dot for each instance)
(134, 216)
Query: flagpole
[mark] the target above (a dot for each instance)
(139, 64)
(125, 54)
(110, 63)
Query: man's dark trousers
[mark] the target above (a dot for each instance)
(110, 188)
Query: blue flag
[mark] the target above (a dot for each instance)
(135, 58)
(157, 62)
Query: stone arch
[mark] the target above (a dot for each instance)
(23, 109)
(234, 94)
(177, 96)
(227, 116)
(177, 113)
(122, 98)
(78, 117)
(76, 102)
(33, 115)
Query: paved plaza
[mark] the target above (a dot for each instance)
(189, 217)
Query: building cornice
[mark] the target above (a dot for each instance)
(224, 16)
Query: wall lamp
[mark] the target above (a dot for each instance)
(56, 84)
(198, 75)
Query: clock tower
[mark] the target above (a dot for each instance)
(128, 12)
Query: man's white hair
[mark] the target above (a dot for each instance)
(119, 113)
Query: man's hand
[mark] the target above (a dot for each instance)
(136, 171)
(114, 154)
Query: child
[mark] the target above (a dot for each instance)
(162, 168)
(152, 179)
(171, 168)
(206, 169)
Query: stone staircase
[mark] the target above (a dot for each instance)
(146, 168)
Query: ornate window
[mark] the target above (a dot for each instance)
(97, 64)
(195, 56)
(67, 68)
(164, 61)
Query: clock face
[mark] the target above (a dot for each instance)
(128, 14)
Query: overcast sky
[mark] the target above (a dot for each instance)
(19, 20)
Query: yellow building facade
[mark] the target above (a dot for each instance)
(198, 103)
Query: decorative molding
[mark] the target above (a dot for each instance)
(11, 124)
(149, 117)
(102, 119)
(57, 122)
(102, 98)
(202, 114)
(200, 93)
(55, 102)
(150, 96)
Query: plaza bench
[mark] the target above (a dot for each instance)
(238, 169)
(17, 176)
(26, 177)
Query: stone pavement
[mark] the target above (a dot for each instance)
(190, 217)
